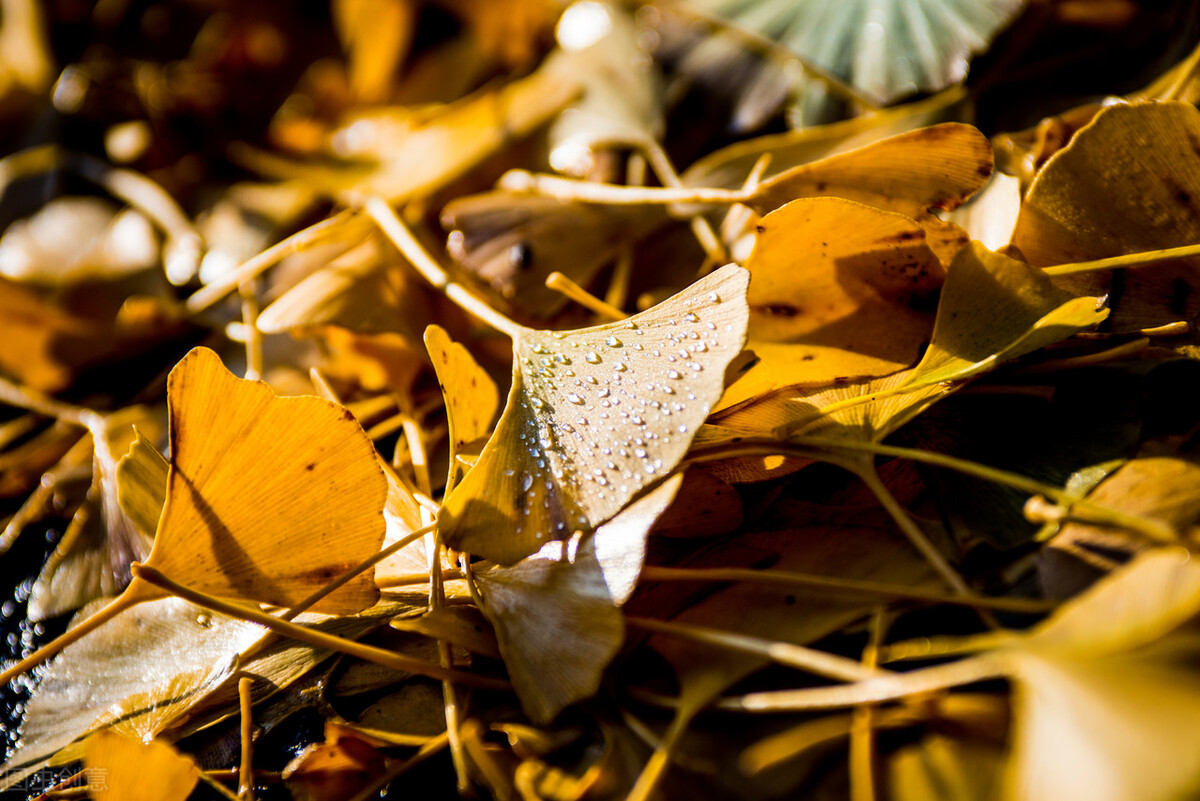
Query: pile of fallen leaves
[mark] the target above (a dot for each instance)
(525, 400)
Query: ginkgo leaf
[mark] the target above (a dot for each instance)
(887, 48)
(440, 146)
(268, 498)
(514, 242)
(167, 653)
(361, 291)
(993, 309)
(142, 484)
(469, 392)
(595, 416)
(1104, 701)
(556, 612)
(621, 102)
(910, 173)
(849, 285)
(728, 166)
(1083, 207)
(119, 768)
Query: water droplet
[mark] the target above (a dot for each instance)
(547, 362)
(699, 347)
(691, 317)
(592, 357)
(558, 357)
(639, 453)
(591, 379)
(204, 620)
(602, 392)
(612, 342)
(683, 429)
(637, 421)
(672, 374)
(526, 482)
(697, 366)
(630, 324)
(573, 398)
(538, 403)
(714, 297)
(537, 348)
(638, 346)
(620, 367)
(666, 389)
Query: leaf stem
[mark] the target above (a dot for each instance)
(1140, 259)
(722, 574)
(320, 639)
(890, 687)
(810, 660)
(561, 283)
(257, 265)
(821, 448)
(402, 237)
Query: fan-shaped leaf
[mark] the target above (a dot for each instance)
(555, 612)
(595, 416)
(268, 498)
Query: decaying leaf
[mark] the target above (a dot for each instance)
(513, 242)
(593, 417)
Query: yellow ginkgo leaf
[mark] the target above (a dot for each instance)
(120, 768)
(594, 417)
(556, 612)
(470, 393)
(835, 275)
(142, 484)
(268, 498)
(1129, 182)
(911, 173)
(141, 672)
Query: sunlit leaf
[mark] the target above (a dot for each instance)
(513, 242)
(142, 484)
(469, 392)
(154, 661)
(848, 286)
(1094, 200)
(621, 103)
(252, 477)
(994, 308)
(556, 612)
(595, 416)
(120, 768)
(376, 37)
(910, 173)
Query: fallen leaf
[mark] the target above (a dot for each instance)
(119, 768)
(1126, 184)
(268, 498)
(630, 395)
(849, 287)
(469, 392)
(556, 612)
